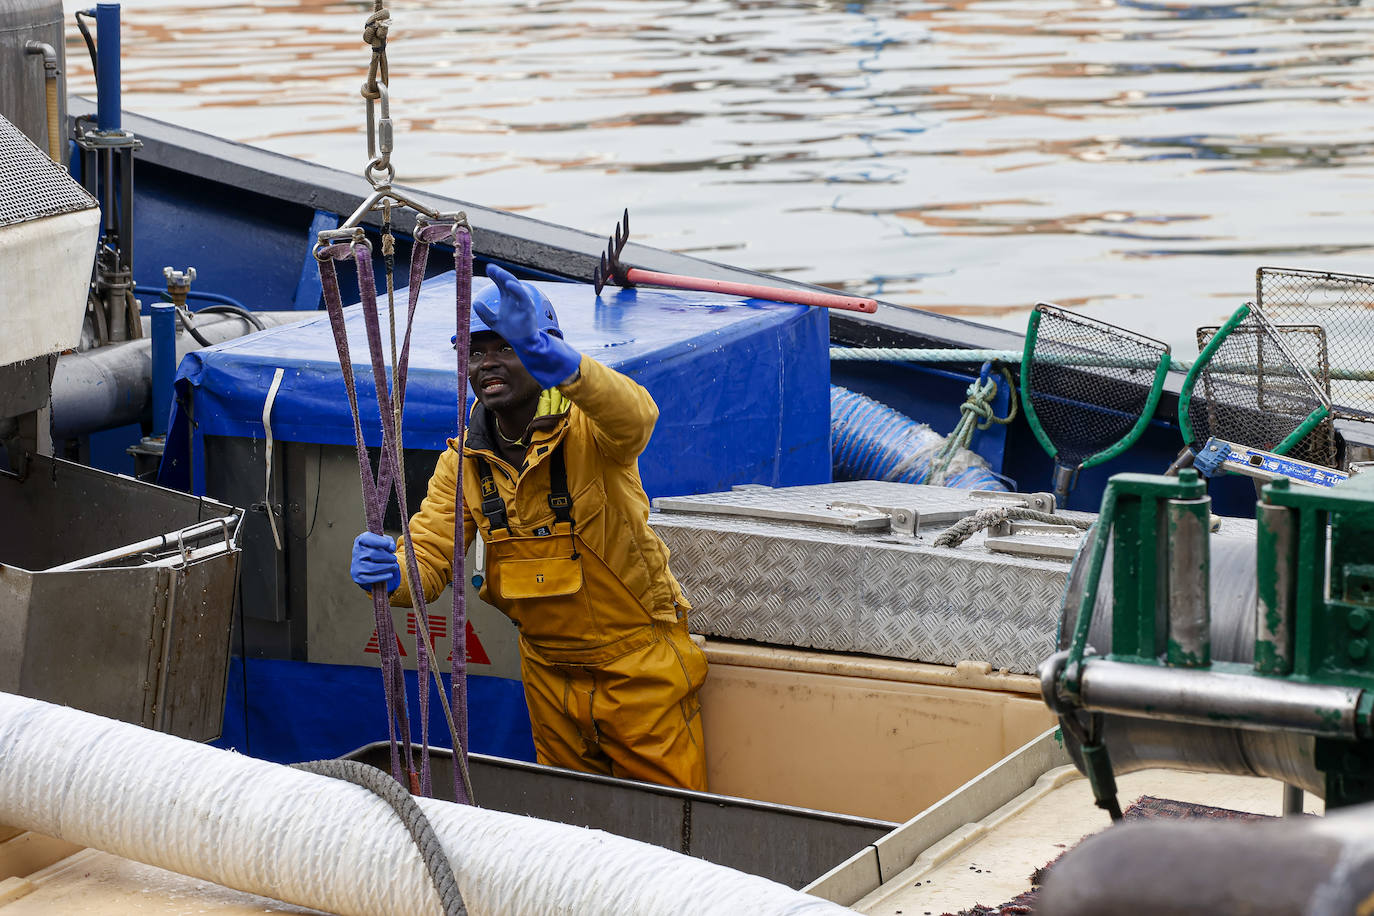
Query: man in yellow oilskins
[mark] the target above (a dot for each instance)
(611, 676)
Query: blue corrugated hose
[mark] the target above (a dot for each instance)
(871, 441)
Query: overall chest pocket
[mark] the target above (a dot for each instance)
(541, 577)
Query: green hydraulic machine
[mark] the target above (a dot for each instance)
(1202, 644)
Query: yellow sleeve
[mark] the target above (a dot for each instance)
(431, 531)
(621, 412)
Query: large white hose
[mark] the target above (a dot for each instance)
(322, 843)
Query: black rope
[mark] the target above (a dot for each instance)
(381, 784)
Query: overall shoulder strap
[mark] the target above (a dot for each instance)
(560, 500)
(493, 506)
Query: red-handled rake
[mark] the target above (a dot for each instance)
(611, 270)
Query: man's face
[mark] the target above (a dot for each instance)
(499, 380)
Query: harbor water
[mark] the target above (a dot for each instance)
(1135, 161)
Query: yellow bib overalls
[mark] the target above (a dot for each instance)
(609, 688)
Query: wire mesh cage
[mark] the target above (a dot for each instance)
(1088, 387)
(1252, 392)
(1343, 305)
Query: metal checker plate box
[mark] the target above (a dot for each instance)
(753, 571)
(832, 588)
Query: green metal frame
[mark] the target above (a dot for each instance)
(1321, 539)
(1151, 403)
(1204, 358)
(1133, 509)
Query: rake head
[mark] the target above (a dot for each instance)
(610, 270)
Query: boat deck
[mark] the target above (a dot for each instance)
(990, 861)
(40, 874)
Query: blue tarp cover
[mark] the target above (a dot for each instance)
(742, 385)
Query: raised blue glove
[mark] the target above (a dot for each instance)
(546, 357)
(374, 561)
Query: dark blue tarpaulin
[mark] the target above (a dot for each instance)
(742, 385)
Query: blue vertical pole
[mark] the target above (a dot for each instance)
(164, 363)
(107, 71)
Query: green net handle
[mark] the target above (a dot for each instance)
(1126, 441)
(1033, 331)
(1313, 420)
(1185, 396)
(1156, 390)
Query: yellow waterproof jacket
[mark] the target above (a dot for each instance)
(603, 433)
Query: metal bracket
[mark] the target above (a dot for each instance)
(904, 520)
(1040, 502)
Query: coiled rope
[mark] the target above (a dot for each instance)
(976, 413)
(966, 527)
(416, 824)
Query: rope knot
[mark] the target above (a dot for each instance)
(375, 30)
(980, 407)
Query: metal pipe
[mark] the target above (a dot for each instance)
(112, 386)
(50, 75)
(1277, 582)
(1190, 616)
(160, 542)
(107, 118)
(164, 355)
(1219, 699)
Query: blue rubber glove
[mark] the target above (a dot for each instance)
(374, 561)
(546, 357)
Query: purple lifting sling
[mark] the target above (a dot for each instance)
(377, 488)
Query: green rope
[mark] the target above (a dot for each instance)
(954, 355)
(976, 413)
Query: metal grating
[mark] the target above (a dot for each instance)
(1252, 393)
(1088, 382)
(1342, 304)
(32, 186)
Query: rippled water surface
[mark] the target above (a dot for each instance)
(1133, 160)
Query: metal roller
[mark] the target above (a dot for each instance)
(1140, 743)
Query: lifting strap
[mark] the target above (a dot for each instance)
(379, 486)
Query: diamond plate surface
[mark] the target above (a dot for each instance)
(796, 585)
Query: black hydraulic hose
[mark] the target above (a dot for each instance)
(394, 794)
(86, 34)
(190, 325)
(235, 310)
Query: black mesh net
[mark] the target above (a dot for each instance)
(1250, 392)
(1088, 382)
(1342, 304)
